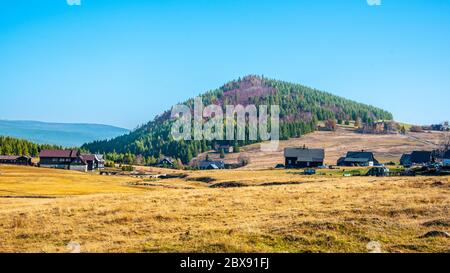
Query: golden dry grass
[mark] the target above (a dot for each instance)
(323, 214)
(31, 181)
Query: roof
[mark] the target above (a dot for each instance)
(405, 157)
(364, 156)
(59, 153)
(357, 159)
(223, 145)
(447, 155)
(213, 164)
(305, 154)
(12, 157)
(167, 159)
(82, 161)
(421, 157)
(89, 157)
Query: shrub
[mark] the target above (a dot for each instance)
(127, 168)
(416, 129)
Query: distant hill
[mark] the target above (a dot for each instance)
(301, 109)
(63, 134)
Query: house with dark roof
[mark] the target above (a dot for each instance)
(441, 127)
(422, 157)
(211, 165)
(227, 148)
(304, 157)
(166, 162)
(94, 162)
(354, 159)
(405, 160)
(15, 160)
(446, 160)
(62, 159)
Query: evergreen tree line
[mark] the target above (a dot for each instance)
(14, 146)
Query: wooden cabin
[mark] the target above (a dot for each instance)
(62, 159)
(304, 157)
(15, 160)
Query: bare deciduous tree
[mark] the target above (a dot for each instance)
(243, 160)
(331, 124)
(416, 129)
(445, 143)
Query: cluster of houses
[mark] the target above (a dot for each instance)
(60, 159)
(294, 158)
(440, 127)
(75, 160)
(206, 164)
(313, 158)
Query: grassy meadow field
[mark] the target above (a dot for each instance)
(43, 210)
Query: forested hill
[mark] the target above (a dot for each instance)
(301, 108)
(14, 146)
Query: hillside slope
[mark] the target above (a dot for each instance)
(301, 108)
(386, 148)
(64, 134)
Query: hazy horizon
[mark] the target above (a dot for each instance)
(125, 62)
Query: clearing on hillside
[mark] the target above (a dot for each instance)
(336, 144)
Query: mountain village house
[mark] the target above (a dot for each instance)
(94, 162)
(62, 159)
(226, 148)
(211, 165)
(15, 160)
(69, 160)
(417, 158)
(166, 162)
(422, 157)
(353, 159)
(303, 157)
(441, 127)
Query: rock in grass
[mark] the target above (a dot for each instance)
(228, 185)
(439, 222)
(436, 233)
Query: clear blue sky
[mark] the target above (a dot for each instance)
(122, 62)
